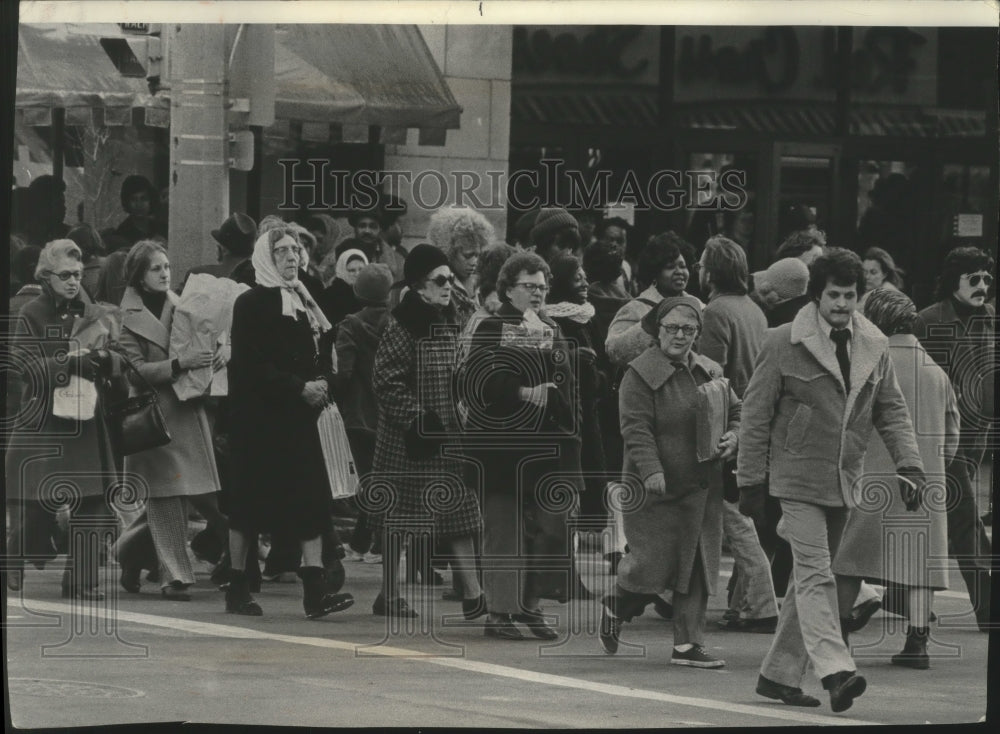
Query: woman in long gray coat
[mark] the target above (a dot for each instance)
(871, 547)
(679, 419)
(185, 467)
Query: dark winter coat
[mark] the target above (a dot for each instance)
(357, 341)
(501, 362)
(417, 478)
(785, 312)
(279, 476)
(338, 300)
(49, 458)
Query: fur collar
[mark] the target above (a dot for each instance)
(655, 369)
(868, 344)
(419, 317)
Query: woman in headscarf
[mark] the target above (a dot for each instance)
(901, 559)
(279, 382)
(47, 358)
(521, 395)
(338, 299)
(184, 469)
(412, 380)
(679, 419)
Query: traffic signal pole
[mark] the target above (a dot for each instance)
(199, 166)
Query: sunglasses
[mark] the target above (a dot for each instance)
(440, 280)
(672, 329)
(68, 274)
(975, 280)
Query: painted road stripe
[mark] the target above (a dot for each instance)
(771, 711)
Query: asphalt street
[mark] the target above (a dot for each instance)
(138, 658)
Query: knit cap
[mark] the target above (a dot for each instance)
(784, 280)
(373, 283)
(550, 220)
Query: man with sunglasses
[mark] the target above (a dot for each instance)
(959, 333)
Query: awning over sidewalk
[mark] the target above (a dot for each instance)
(361, 75)
(64, 65)
(347, 75)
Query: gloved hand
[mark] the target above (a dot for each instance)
(911, 493)
(752, 502)
(81, 365)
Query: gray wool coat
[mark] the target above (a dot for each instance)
(658, 420)
(186, 465)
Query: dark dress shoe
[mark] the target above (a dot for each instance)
(130, 579)
(786, 694)
(175, 591)
(474, 608)
(535, 622)
(238, 599)
(862, 613)
(844, 687)
(502, 628)
(329, 604)
(609, 632)
(395, 608)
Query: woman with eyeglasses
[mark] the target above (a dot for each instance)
(79, 468)
(279, 383)
(182, 471)
(679, 420)
(418, 492)
(520, 391)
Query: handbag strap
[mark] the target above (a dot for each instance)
(143, 382)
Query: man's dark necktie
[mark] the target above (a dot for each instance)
(840, 338)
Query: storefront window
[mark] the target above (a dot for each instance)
(965, 199)
(723, 199)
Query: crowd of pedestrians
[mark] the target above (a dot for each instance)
(497, 398)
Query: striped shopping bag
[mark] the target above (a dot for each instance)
(340, 467)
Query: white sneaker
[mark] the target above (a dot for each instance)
(372, 557)
(352, 555)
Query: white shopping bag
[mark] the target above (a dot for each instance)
(340, 467)
(76, 401)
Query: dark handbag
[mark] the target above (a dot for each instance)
(136, 423)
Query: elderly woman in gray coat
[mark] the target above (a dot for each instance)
(185, 467)
(679, 419)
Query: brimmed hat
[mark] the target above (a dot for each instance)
(237, 234)
(420, 261)
(651, 321)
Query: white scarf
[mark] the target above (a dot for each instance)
(341, 266)
(294, 295)
(581, 313)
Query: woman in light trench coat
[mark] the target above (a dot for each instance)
(675, 532)
(183, 469)
(882, 540)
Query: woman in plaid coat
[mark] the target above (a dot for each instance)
(414, 484)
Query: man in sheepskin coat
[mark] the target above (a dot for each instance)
(820, 384)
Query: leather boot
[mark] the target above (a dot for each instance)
(316, 597)
(238, 599)
(914, 653)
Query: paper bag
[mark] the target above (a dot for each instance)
(712, 417)
(340, 467)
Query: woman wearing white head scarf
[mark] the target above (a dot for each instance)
(278, 383)
(338, 300)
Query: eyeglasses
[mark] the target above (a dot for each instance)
(672, 329)
(286, 250)
(67, 275)
(533, 287)
(440, 280)
(976, 279)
